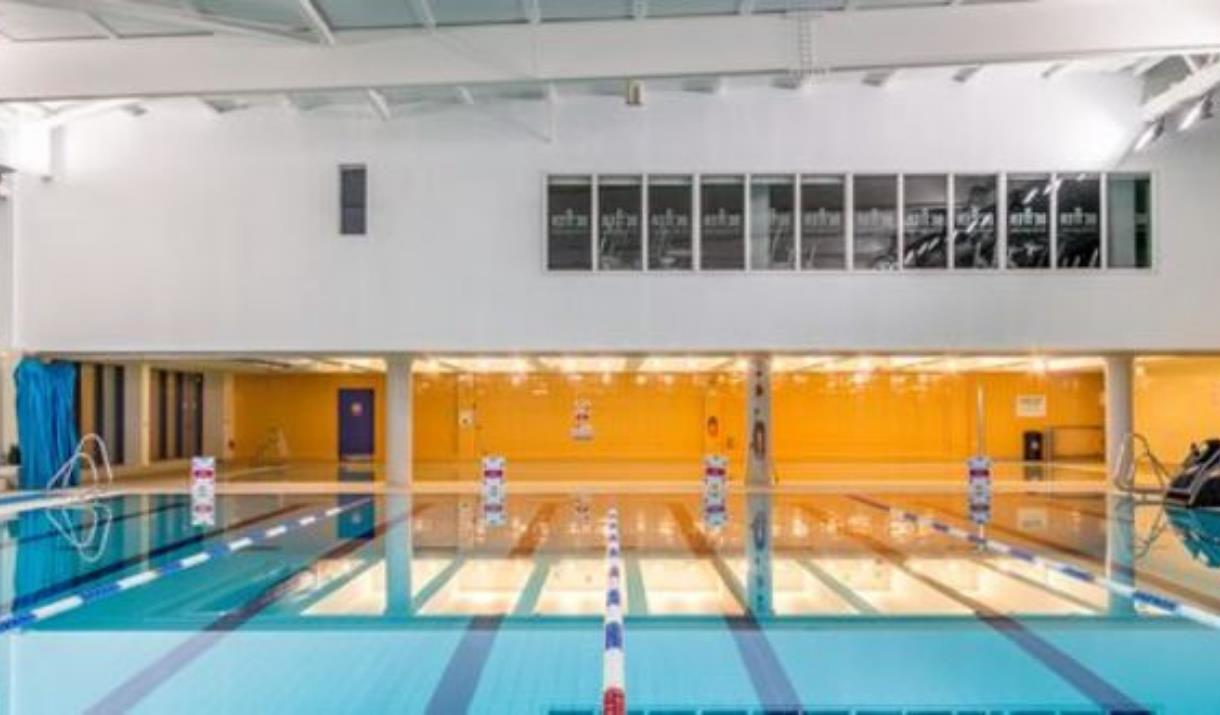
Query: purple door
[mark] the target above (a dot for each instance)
(356, 424)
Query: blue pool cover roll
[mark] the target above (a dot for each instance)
(46, 419)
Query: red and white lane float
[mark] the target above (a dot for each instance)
(614, 688)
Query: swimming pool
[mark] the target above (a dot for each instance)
(843, 602)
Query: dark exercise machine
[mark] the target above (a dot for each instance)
(1197, 485)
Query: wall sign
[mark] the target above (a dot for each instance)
(1031, 406)
(582, 420)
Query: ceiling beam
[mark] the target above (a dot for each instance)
(879, 78)
(531, 10)
(729, 45)
(317, 22)
(183, 16)
(102, 25)
(965, 74)
(1190, 88)
(84, 110)
(379, 104)
(424, 13)
(1054, 69)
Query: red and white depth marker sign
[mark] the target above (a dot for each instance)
(980, 489)
(493, 491)
(203, 491)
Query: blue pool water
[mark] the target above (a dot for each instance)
(821, 602)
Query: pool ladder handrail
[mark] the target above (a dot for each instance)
(91, 543)
(1127, 466)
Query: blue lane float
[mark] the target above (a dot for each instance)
(614, 687)
(91, 594)
(1159, 602)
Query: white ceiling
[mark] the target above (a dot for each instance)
(366, 57)
(51, 20)
(617, 363)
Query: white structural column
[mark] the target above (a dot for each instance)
(137, 423)
(217, 414)
(398, 419)
(759, 461)
(1120, 534)
(398, 552)
(1119, 422)
(8, 401)
(8, 358)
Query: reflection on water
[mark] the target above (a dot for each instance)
(432, 585)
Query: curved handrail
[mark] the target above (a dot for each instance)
(1125, 468)
(90, 544)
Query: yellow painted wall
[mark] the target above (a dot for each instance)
(919, 417)
(1177, 401)
(305, 407)
(532, 417)
(819, 417)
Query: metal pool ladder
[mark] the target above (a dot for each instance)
(90, 542)
(1136, 448)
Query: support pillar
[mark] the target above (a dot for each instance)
(137, 422)
(218, 414)
(759, 462)
(1119, 407)
(1120, 551)
(398, 553)
(1120, 531)
(760, 589)
(8, 402)
(398, 419)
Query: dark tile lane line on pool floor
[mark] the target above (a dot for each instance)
(26, 540)
(772, 686)
(1208, 601)
(129, 694)
(62, 587)
(458, 683)
(1080, 677)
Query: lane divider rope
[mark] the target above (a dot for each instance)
(614, 689)
(1159, 602)
(90, 594)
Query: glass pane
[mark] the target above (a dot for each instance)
(772, 234)
(722, 243)
(823, 239)
(669, 223)
(620, 234)
(925, 209)
(352, 200)
(1129, 220)
(570, 223)
(876, 224)
(1029, 228)
(1079, 230)
(974, 221)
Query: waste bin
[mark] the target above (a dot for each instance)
(1034, 446)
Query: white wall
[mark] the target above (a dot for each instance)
(7, 284)
(183, 230)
